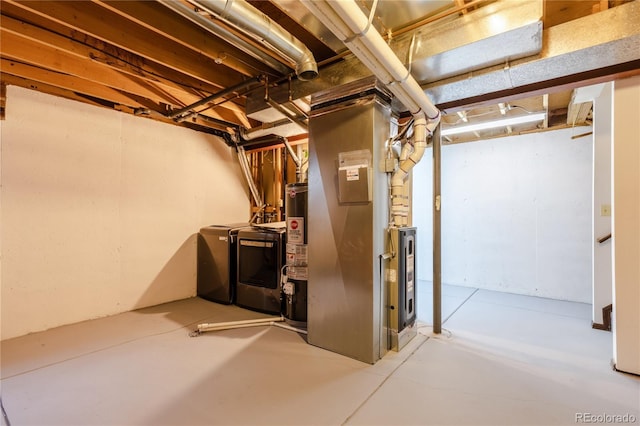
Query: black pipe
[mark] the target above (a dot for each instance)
(216, 121)
(217, 95)
(226, 136)
(259, 143)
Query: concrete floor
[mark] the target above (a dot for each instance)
(502, 359)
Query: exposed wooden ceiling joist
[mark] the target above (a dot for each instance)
(103, 24)
(63, 51)
(143, 57)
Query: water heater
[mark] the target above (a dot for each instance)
(295, 289)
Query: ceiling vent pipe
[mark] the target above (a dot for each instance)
(251, 21)
(346, 20)
(207, 24)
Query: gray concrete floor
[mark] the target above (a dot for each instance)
(502, 359)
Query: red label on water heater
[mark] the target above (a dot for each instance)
(295, 230)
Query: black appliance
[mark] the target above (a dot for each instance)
(216, 279)
(261, 253)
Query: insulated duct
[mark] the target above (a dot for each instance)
(224, 34)
(251, 21)
(349, 24)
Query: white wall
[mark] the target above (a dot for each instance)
(602, 131)
(626, 224)
(516, 214)
(100, 210)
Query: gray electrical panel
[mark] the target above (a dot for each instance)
(355, 176)
(401, 281)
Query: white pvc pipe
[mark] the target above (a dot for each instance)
(216, 326)
(346, 20)
(231, 325)
(288, 327)
(251, 321)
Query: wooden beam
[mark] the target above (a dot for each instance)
(31, 44)
(44, 30)
(28, 51)
(578, 112)
(460, 4)
(561, 11)
(64, 81)
(3, 99)
(604, 5)
(12, 80)
(97, 91)
(112, 28)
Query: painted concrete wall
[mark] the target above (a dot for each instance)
(516, 215)
(626, 224)
(602, 136)
(100, 210)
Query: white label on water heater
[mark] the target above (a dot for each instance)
(353, 173)
(297, 254)
(298, 273)
(295, 230)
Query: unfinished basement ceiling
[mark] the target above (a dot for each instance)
(155, 59)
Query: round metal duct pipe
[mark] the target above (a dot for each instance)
(225, 34)
(256, 24)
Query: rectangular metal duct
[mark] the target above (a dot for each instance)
(348, 214)
(389, 15)
(593, 46)
(495, 34)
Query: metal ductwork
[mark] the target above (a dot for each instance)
(223, 33)
(595, 48)
(349, 24)
(250, 21)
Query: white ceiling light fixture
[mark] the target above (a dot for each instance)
(511, 121)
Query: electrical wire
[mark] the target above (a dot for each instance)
(522, 108)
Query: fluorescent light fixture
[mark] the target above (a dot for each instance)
(504, 122)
